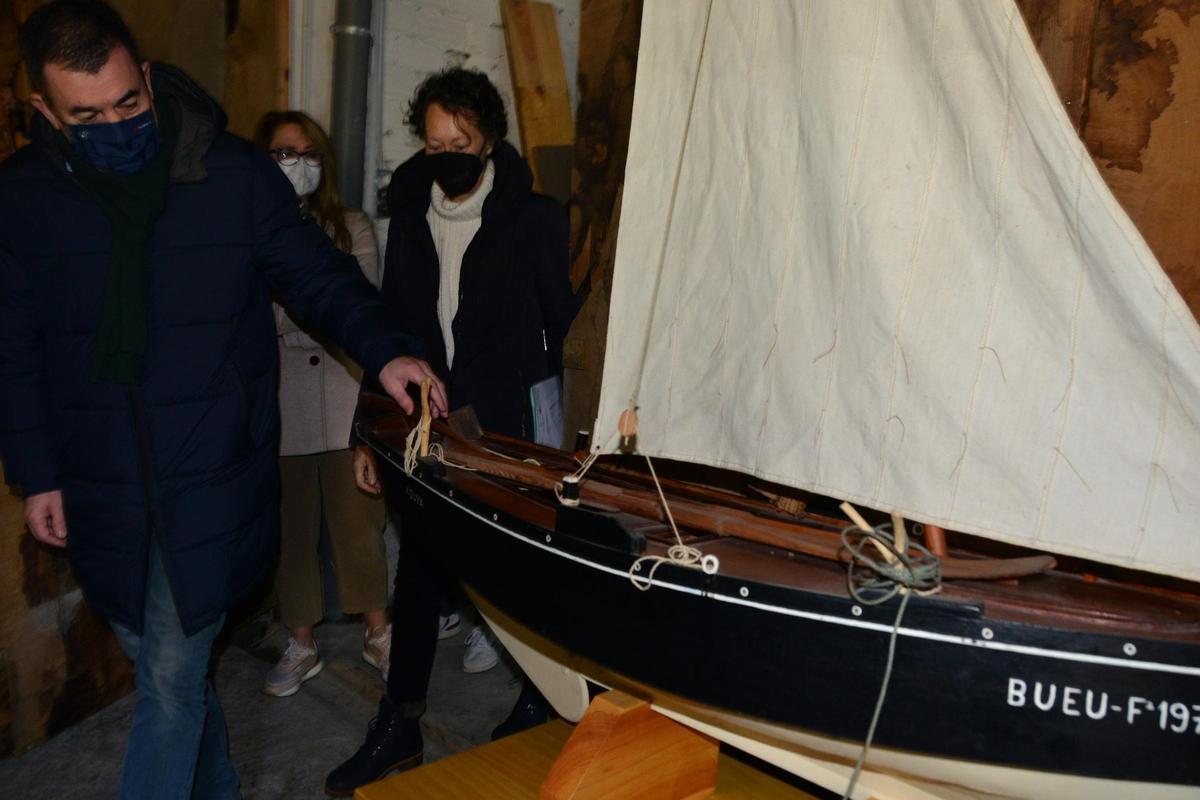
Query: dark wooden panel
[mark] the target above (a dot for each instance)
(1142, 124)
(256, 78)
(608, 45)
(1063, 31)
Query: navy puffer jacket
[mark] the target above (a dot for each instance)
(185, 461)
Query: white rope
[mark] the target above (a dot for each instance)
(411, 457)
(533, 461)
(574, 479)
(679, 554)
(410, 450)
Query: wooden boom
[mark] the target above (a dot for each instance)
(713, 518)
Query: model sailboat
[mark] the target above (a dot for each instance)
(863, 254)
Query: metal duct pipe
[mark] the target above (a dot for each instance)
(348, 124)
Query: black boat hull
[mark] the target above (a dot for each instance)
(964, 687)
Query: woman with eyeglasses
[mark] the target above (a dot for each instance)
(318, 390)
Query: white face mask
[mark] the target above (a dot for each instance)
(305, 177)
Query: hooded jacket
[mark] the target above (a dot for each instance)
(515, 299)
(186, 460)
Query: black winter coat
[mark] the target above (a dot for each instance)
(187, 459)
(515, 299)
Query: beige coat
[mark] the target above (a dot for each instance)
(318, 385)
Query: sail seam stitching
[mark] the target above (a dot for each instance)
(906, 295)
(989, 316)
(743, 193)
(662, 255)
(1065, 402)
(843, 247)
(784, 272)
(1151, 479)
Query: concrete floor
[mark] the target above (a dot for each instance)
(281, 747)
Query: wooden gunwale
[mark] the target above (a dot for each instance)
(1052, 598)
(1063, 599)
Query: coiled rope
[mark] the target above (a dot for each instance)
(873, 580)
(679, 554)
(879, 572)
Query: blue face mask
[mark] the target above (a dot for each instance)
(125, 147)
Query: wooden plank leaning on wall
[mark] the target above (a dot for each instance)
(540, 91)
(608, 45)
(256, 63)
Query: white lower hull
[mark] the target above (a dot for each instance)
(825, 761)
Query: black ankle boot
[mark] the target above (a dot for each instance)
(393, 743)
(531, 709)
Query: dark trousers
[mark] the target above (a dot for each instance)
(421, 582)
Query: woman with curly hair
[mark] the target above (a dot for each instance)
(477, 268)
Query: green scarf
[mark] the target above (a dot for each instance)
(132, 204)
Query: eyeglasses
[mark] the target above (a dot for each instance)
(287, 157)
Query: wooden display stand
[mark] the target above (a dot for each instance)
(620, 749)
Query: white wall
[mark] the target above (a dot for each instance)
(417, 37)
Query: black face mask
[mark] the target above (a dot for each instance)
(456, 173)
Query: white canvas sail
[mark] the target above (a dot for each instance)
(863, 252)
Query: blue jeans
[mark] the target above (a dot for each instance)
(178, 747)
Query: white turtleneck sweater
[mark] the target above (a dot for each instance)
(453, 226)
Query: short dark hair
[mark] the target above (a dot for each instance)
(78, 34)
(463, 92)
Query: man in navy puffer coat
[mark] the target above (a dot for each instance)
(169, 481)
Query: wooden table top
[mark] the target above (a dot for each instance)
(513, 768)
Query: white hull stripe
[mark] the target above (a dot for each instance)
(915, 633)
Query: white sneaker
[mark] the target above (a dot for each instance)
(377, 648)
(479, 655)
(449, 625)
(297, 665)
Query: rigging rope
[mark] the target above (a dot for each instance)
(679, 554)
(412, 455)
(567, 490)
(662, 255)
(872, 581)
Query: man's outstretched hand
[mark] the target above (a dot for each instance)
(45, 518)
(399, 372)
